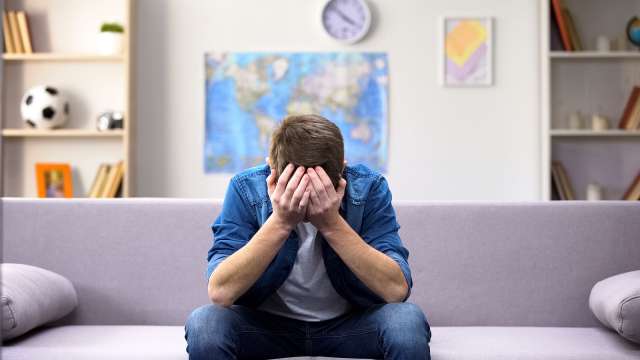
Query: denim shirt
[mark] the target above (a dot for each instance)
(366, 206)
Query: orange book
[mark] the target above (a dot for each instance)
(634, 119)
(15, 32)
(629, 108)
(633, 192)
(562, 24)
(6, 34)
(23, 25)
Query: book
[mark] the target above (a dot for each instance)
(557, 181)
(576, 43)
(566, 182)
(113, 181)
(633, 192)
(634, 119)
(102, 181)
(563, 179)
(23, 25)
(555, 41)
(556, 6)
(98, 180)
(6, 34)
(555, 190)
(113, 190)
(111, 174)
(15, 32)
(629, 108)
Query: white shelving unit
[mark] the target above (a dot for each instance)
(594, 134)
(64, 34)
(62, 57)
(78, 133)
(589, 82)
(590, 55)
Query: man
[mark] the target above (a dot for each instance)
(307, 260)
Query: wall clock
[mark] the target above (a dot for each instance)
(347, 21)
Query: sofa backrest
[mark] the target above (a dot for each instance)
(142, 260)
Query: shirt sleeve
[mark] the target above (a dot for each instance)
(380, 228)
(232, 229)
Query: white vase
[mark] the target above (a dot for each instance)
(110, 43)
(594, 192)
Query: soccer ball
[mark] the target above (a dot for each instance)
(44, 107)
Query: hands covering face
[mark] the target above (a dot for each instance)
(305, 194)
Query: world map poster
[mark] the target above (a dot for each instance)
(248, 94)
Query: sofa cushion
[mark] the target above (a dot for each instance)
(615, 301)
(529, 343)
(448, 343)
(31, 297)
(85, 342)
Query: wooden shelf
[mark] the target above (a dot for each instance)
(584, 55)
(76, 133)
(591, 133)
(62, 57)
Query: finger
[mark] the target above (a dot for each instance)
(317, 184)
(270, 183)
(305, 200)
(342, 185)
(326, 180)
(293, 182)
(314, 199)
(284, 178)
(300, 190)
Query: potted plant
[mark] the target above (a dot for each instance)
(111, 38)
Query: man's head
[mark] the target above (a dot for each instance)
(308, 140)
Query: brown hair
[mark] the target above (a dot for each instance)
(309, 141)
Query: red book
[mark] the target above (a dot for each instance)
(562, 24)
(628, 110)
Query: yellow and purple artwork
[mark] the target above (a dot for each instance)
(467, 52)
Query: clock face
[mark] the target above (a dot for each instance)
(346, 20)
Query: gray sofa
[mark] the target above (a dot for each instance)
(496, 281)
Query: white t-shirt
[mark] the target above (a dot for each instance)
(307, 294)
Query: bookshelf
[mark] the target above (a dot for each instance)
(589, 82)
(594, 55)
(595, 134)
(62, 57)
(63, 35)
(79, 133)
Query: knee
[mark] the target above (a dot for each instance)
(405, 324)
(208, 328)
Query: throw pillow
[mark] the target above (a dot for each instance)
(615, 301)
(32, 296)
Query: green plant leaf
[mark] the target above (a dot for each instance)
(112, 27)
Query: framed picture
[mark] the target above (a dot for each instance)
(466, 51)
(54, 180)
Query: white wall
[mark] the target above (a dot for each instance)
(445, 144)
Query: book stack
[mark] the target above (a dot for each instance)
(108, 181)
(633, 192)
(631, 116)
(563, 28)
(560, 184)
(15, 27)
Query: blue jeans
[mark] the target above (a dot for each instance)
(394, 331)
